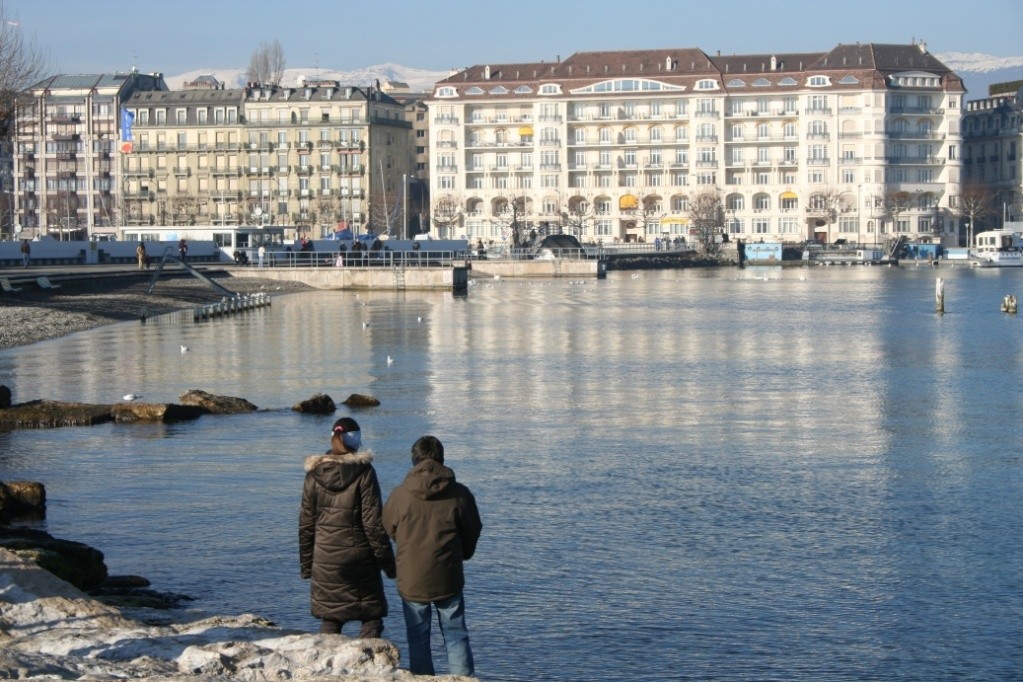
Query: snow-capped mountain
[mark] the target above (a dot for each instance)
(418, 80)
(978, 71)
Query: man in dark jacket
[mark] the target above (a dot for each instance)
(435, 525)
(342, 544)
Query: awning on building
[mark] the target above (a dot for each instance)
(525, 130)
(789, 195)
(628, 202)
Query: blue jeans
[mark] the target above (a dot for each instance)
(451, 615)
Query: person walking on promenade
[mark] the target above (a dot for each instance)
(435, 525)
(261, 253)
(342, 544)
(182, 249)
(26, 253)
(140, 254)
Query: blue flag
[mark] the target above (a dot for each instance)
(127, 118)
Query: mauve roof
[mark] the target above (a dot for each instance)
(867, 63)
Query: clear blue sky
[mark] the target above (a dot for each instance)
(177, 36)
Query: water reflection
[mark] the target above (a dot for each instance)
(782, 474)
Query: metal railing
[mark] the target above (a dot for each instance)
(352, 259)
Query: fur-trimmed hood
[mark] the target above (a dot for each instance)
(336, 471)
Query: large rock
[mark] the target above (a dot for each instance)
(5, 397)
(73, 562)
(217, 404)
(321, 403)
(359, 400)
(156, 412)
(22, 497)
(52, 413)
(50, 629)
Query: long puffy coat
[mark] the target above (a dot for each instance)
(342, 544)
(436, 525)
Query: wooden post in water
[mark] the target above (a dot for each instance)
(939, 295)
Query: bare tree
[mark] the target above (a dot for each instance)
(894, 204)
(706, 217)
(328, 208)
(266, 65)
(184, 208)
(22, 63)
(823, 204)
(447, 213)
(974, 203)
(579, 213)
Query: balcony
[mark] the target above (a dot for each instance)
(137, 173)
(66, 119)
(66, 156)
(65, 137)
(225, 172)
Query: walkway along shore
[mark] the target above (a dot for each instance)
(32, 315)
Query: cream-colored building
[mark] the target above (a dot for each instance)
(311, 158)
(993, 153)
(859, 143)
(66, 143)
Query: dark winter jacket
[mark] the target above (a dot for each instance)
(342, 545)
(436, 525)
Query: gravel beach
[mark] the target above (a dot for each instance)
(31, 316)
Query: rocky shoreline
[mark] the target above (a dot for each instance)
(50, 629)
(33, 316)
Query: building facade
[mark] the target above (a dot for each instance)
(312, 158)
(859, 143)
(992, 158)
(66, 159)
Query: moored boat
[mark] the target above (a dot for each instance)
(997, 249)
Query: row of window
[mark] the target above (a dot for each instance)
(649, 85)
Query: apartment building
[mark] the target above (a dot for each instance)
(310, 158)
(66, 158)
(857, 143)
(992, 146)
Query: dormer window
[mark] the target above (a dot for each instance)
(818, 81)
(447, 92)
(707, 84)
(474, 91)
(550, 89)
(499, 90)
(523, 90)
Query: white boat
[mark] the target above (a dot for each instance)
(997, 249)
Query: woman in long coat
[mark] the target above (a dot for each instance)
(342, 543)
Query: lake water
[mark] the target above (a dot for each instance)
(683, 475)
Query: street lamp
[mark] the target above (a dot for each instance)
(404, 211)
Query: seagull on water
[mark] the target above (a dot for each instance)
(184, 348)
(390, 361)
(130, 397)
(365, 325)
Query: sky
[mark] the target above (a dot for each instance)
(178, 36)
